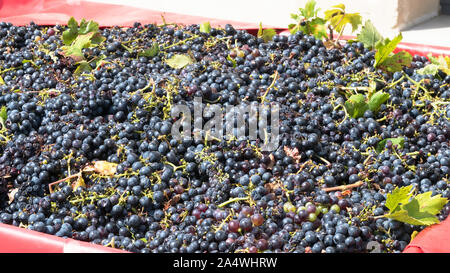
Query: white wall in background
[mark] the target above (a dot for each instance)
(389, 16)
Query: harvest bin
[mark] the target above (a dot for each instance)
(50, 12)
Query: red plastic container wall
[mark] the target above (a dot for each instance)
(18, 240)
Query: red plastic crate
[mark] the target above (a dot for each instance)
(51, 12)
(19, 240)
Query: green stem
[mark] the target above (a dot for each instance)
(181, 42)
(381, 216)
(275, 77)
(232, 200)
(396, 82)
(418, 85)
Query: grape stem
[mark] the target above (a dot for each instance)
(233, 200)
(380, 216)
(344, 187)
(275, 78)
(62, 180)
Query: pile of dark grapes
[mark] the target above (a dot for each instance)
(213, 196)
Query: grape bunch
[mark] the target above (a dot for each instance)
(213, 195)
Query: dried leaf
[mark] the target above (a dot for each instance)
(294, 153)
(272, 162)
(376, 186)
(329, 44)
(346, 192)
(172, 201)
(273, 186)
(79, 182)
(11, 195)
(102, 167)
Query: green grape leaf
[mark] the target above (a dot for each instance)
(399, 141)
(86, 27)
(310, 9)
(1, 80)
(444, 64)
(179, 61)
(150, 52)
(431, 69)
(335, 11)
(294, 28)
(376, 100)
(83, 66)
(74, 50)
(431, 204)
(306, 21)
(266, 34)
(338, 18)
(76, 38)
(410, 213)
(369, 35)
(385, 48)
(100, 62)
(356, 105)
(68, 36)
(97, 38)
(397, 197)
(355, 20)
(295, 16)
(317, 28)
(433, 59)
(205, 27)
(82, 24)
(441, 63)
(71, 33)
(72, 24)
(396, 62)
(415, 210)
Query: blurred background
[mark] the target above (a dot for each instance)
(421, 21)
